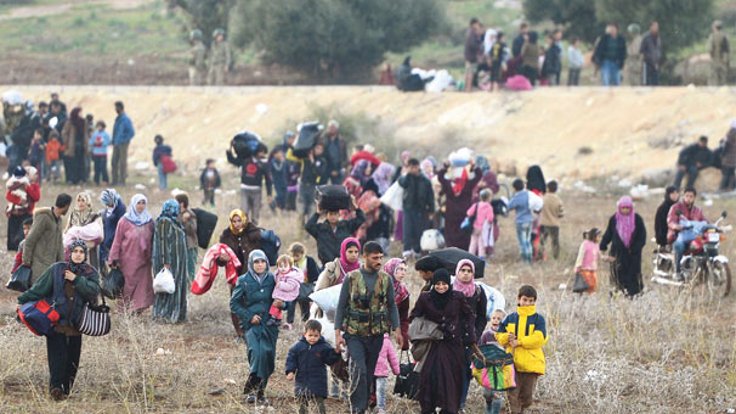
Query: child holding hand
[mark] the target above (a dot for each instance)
(306, 362)
(494, 399)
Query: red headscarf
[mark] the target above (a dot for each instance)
(346, 266)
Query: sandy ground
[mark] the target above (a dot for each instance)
(578, 133)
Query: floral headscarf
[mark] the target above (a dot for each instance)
(400, 290)
(383, 175)
(78, 268)
(81, 218)
(170, 210)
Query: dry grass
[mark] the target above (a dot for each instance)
(663, 352)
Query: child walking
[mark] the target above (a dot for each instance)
(306, 363)
(483, 224)
(209, 181)
(288, 279)
(37, 154)
(587, 262)
(99, 141)
(524, 333)
(552, 213)
(53, 148)
(494, 399)
(387, 359)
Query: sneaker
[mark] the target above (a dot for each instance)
(263, 400)
(381, 411)
(287, 327)
(251, 399)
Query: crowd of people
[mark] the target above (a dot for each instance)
(460, 197)
(492, 59)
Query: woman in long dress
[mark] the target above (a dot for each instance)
(441, 376)
(82, 226)
(627, 236)
(170, 252)
(131, 252)
(459, 198)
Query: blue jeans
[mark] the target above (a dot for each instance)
(162, 179)
(494, 401)
(381, 385)
(679, 246)
(524, 235)
(610, 73)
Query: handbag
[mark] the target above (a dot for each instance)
(164, 282)
(407, 382)
(493, 368)
(422, 328)
(580, 285)
(40, 316)
(113, 284)
(467, 224)
(394, 197)
(20, 280)
(167, 164)
(95, 319)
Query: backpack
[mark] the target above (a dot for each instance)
(270, 244)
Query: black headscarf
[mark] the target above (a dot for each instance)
(78, 268)
(440, 300)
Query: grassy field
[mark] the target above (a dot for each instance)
(663, 352)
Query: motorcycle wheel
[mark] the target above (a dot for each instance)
(720, 278)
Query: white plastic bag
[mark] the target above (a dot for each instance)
(535, 202)
(327, 300)
(394, 197)
(164, 282)
(495, 299)
(432, 240)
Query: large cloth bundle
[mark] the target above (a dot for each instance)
(494, 368)
(206, 223)
(245, 144)
(327, 300)
(309, 133)
(333, 197)
(432, 240)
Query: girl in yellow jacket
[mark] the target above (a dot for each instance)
(524, 333)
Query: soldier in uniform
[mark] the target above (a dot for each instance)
(220, 58)
(719, 59)
(198, 59)
(634, 59)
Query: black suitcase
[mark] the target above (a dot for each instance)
(206, 223)
(333, 197)
(309, 133)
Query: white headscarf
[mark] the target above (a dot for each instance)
(133, 216)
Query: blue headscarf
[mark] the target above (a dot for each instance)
(110, 197)
(170, 210)
(133, 216)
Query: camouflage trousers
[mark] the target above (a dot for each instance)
(718, 74)
(216, 75)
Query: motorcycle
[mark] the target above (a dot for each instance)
(701, 264)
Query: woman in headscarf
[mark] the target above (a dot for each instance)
(335, 271)
(441, 377)
(627, 236)
(671, 196)
(188, 220)
(459, 198)
(80, 226)
(397, 269)
(358, 178)
(475, 296)
(111, 215)
(489, 179)
(80, 286)
(170, 252)
(75, 136)
(251, 301)
(131, 252)
(382, 177)
(22, 193)
(242, 237)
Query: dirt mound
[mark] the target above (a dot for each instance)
(578, 133)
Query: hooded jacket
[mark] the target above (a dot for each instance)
(308, 362)
(328, 240)
(44, 245)
(530, 329)
(252, 295)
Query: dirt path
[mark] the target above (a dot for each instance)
(24, 12)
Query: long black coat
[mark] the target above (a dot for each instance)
(660, 220)
(626, 269)
(441, 378)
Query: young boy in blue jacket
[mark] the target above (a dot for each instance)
(306, 362)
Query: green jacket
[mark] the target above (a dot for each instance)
(198, 56)
(220, 54)
(44, 245)
(86, 289)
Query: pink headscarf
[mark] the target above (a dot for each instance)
(400, 291)
(625, 223)
(346, 266)
(467, 289)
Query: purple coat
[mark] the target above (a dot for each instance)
(455, 208)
